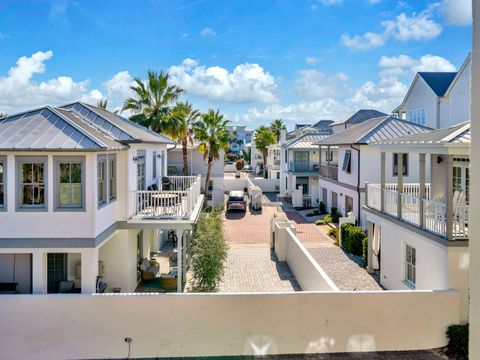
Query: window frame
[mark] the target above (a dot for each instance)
(112, 197)
(57, 160)
(154, 165)
(104, 201)
(4, 182)
(347, 162)
(395, 164)
(19, 160)
(410, 263)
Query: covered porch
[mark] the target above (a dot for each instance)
(439, 206)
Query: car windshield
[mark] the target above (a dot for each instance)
(235, 198)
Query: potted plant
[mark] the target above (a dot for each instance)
(239, 166)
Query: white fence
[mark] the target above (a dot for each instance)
(168, 325)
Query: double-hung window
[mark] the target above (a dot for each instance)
(154, 165)
(32, 183)
(102, 181)
(112, 177)
(404, 162)
(410, 265)
(3, 179)
(70, 183)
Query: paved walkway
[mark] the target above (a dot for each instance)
(256, 269)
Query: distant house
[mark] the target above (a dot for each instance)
(322, 126)
(438, 99)
(357, 118)
(347, 162)
(239, 137)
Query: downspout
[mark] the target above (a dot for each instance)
(358, 182)
(438, 113)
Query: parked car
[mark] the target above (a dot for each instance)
(237, 200)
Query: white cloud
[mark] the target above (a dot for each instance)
(18, 90)
(207, 32)
(404, 65)
(384, 95)
(331, 2)
(311, 60)
(119, 85)
(403, 28)
(456, 12)
(313, 84)
(246, 83)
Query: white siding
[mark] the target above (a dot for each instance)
(423, 97)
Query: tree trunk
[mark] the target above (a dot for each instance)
(265, 153)
(207, 179)
(185, 157)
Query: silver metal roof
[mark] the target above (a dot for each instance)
(305, 141)
(116, 126)
(47, 128)
(373, 130)
(458, 134)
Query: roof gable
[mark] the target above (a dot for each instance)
(361, 116)
(438, 81)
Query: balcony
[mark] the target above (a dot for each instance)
(300, 168)
(429, 214)
(329, 171)
(177, 200)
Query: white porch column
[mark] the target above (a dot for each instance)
(422, 187)
(89, 261)
(180, 264)
(39, 272)
(382, 181)
(449, 197)
(474, 204)
(399, 184)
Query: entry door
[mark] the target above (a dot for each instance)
(334, 200)
(348, 204)
(461, 178)
(56, 270)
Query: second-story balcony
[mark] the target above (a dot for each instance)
(329, 171)
(427, 213)
(303, 168)
(177, 199)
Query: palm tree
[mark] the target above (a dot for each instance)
(277, 126)
(153, 99)
(263, 138)
(180, 127)
(211, 131)
(102, 104)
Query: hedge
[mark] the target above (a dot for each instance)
(353, 239)
(457, 348)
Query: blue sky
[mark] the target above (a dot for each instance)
(255, 60)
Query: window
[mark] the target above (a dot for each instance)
(410, 265)
(69, 178)
(303, 181)
(3, 179)
(112, 177)
(154, 165)
(347, 167)
(278, 174)
(31, 175)
(141, 184)
(56, 271)
(101, 181)
(417, 116)
(395, 164)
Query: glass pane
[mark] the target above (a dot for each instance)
(27, 191)
(65, 191)
(76, 173)
(76, 194)
(64, 173)
(1, 196)
(26, 173)
(38, 195)
(38, 173)
(1, 172)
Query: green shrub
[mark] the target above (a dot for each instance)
(335, 215)
(209, 252)
(365, 251)
(457, 348)
(353, 238)
(322, 208)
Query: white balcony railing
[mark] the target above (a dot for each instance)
(177, 201)
(434, 211)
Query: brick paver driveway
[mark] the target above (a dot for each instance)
(250, 266)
